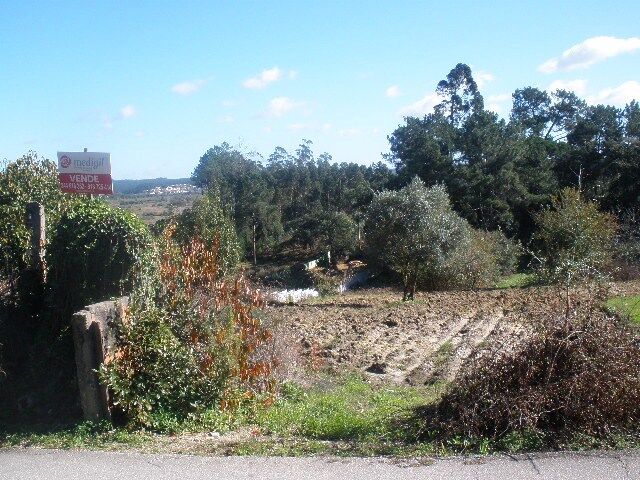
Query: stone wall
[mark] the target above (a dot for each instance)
(93, 338)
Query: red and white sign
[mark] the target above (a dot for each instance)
(85, 172)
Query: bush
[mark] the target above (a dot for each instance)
(28, 179)
(578, 372)
(193, 343)
(207, 221)
(415, 232)
(626, 261)
(94, 254)
(575, 239)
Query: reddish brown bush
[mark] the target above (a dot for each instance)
(578, 371)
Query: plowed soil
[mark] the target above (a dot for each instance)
(417, 342)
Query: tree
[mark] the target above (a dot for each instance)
(207, 221)
(424, 147)
(461, 95)
(531, 110)
(574, 238)
(338, 233)
(415, 232)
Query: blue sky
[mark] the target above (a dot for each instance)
(157, 83)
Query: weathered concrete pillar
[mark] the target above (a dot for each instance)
(36, 224)
(94, 339)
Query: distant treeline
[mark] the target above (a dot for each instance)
(498, 172)
(129, 187)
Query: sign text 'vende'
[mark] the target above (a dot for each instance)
(85, 172)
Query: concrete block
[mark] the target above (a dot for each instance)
(94, 338)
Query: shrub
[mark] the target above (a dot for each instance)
(94, 254)
(575, 239)
(207, 221)
(415, 232)
(577, 372)
(626, 263)
(28, 179)
(192, 344)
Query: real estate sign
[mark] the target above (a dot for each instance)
(85, 172)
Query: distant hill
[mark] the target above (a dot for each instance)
(131, 187)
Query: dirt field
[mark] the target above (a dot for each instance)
(416, 342)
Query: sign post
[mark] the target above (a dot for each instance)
(85, 172)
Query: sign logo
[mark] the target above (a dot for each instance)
(65, 161)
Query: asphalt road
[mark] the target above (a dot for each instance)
(27, 464)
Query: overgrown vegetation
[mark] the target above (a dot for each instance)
(415, 233)
(95, 252)
(28, 179)
(576, 373)
(575, 239)
(192, 342)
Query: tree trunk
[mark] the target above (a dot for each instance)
(255, 257)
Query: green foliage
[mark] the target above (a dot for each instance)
(352, 410)
(207, 221)
(575, 238)
(190, 345)
(626, 306)
(517, 280)
(95, 253)
(415, 232)
(27, 179)
(289, 198)
(336, 232)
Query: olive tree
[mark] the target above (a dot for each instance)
(415, 232)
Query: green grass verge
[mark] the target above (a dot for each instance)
(517, 280)
(351, 410)
(628, 306)
(341, 417)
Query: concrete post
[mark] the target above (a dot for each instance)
(36, 224)
(94, 341)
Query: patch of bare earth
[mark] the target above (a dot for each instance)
(417, 342)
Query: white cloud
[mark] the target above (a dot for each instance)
(188, 87)
(349, 132)
(498, 103)
(128, 111)
(326, 127)
(423, 106)
(296, 127)
(293, 74)
(619, 96)
(591, 51)
(227, 119)
(393, 91)
(139, 134)
(263, 79)
(579, 86)
(482, 78)
(278, 106)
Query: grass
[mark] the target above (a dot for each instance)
(86, 435)
(517, 280)
(443, 354)
(352, 410)
(342, 417)
(629, 306)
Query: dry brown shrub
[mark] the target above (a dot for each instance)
(578, 371)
